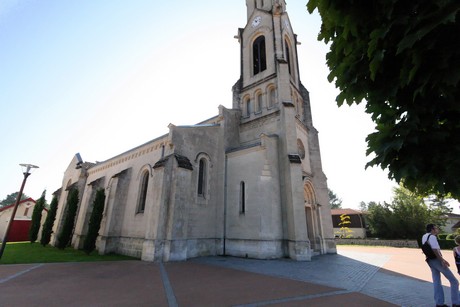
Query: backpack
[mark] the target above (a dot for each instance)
(427, 250)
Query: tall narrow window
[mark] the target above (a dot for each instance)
(248, 107)
(202, 170)
(242, 197)
(259, 102)
(271, 97)
(258, 55)
(143, 192)
(288, 56)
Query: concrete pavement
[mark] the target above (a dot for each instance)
(356, 276)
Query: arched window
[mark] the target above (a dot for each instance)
(242, 197)
(258, 55)
(288, 56)
(247, 106)
(271, 97)
(202, 177)
(143, 192)
(309, 194)
(300, 149)
(258, 102)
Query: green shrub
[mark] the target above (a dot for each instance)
(447, 244)
(65, 235)
(442, 236)
(94, 222)
(36, 218)
(451, 236)
(49, 222)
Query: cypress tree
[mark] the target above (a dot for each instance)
(36, 218)
(94, 222)
(65, 235)
(49, 222)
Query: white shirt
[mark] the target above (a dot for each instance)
(433, 241)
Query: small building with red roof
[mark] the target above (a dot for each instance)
(20, 228)
(357, 226)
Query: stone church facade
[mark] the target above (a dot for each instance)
(247, 182)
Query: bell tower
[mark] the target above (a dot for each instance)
(268, 62)
(274, 108)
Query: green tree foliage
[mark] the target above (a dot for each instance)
(362, 206)
(37, 218)
(402, 58)
(49, 222)
(65, 235)
(334, 201)
(11, 199)
(406, 216)
(94, 222)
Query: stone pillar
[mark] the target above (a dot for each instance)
(167, 221)
(152, 248)
(298, 244)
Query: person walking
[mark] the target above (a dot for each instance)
(439, 265)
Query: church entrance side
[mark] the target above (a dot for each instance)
(312, 218)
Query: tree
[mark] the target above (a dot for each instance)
(49, 222)
(94, 222)
(37, 218)
(334, 201)
(406, 216)
(365, 207)
(65, 235)
(11, 199)
(399, 56)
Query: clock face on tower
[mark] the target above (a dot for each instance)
(256, 21)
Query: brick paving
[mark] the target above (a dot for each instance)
(356, 276)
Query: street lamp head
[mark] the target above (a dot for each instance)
(27, 168)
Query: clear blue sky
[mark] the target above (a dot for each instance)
(101, 77)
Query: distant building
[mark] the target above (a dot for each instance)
(357, 225)
(247, 182)
(452, 223)
(19, 230)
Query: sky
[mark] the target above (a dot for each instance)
(101, 77)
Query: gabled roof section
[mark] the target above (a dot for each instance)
(453, 215)
(12, 205)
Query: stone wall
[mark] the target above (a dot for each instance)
(377, 242)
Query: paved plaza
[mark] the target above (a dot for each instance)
(356, 276)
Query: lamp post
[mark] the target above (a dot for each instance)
(26, 171)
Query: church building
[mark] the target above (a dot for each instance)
(247, 182)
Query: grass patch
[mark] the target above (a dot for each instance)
(26, 252)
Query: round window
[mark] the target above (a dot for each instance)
(300, 149)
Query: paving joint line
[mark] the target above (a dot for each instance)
(295, 298)
(20, 273)
(172, 302)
